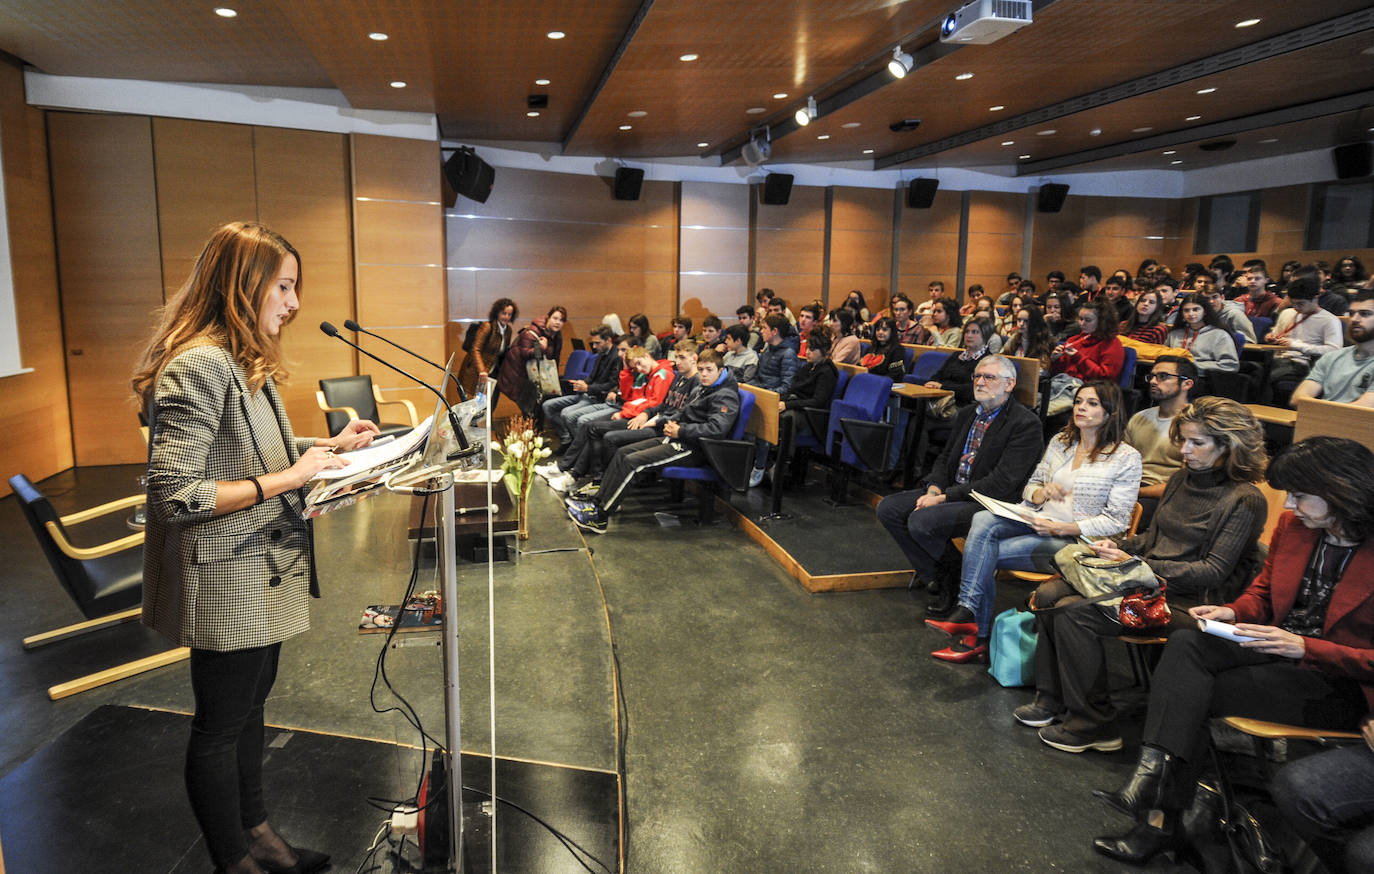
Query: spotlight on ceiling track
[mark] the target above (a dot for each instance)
(900, 64)
(804, 115)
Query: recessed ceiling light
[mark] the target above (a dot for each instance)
(850, 124)
(398, 84)
(533, 113)
(626, 126)
(998, 108)
(1009, 142)
(1176, 162)
(1249, 22)
(702, 145)
(690, 56)
(1141, 130)
(962, 76)
(1095, 132)
(1269, 140)
(1206, 90)
(822, 136)
(1171, 151)
(378, 36)
(781, 95)
(1193, 118)
(755, 110)
(225, 12)
(1023, 157)
(636, 113)
(555, 34)
(1047, 132)
(868, 151)
(541, 81)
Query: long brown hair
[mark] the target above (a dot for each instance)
(1113, 430)
(219, 305)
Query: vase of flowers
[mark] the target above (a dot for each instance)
(521, 448)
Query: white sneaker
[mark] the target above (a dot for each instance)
(562, 482)
(756, 477)
(547, 470)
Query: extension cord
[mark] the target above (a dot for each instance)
(405, 820)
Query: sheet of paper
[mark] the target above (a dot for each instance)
(1223, 629)
(1014, 512)
(360, 460)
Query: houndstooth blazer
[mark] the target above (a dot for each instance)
(240, 580)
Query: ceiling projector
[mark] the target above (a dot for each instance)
(985, 21)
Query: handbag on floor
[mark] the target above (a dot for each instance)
(1011, 649)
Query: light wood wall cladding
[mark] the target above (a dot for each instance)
(543, 239)
(205, 177)
(861, 230)
(713, 257)
(789, 246)
(1110, 232)
(996, 230)
(104, 202)
(33, 405)
(927, 248)
(302, 185)
(398, 234)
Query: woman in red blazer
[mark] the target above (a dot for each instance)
(1309, 659)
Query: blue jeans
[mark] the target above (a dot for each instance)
(1329, 799)
(995, 543)
(556, 408)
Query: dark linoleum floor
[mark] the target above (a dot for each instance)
(769, 730)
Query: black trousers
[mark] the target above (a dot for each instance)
(1202, 676)
(633, 460)
(224, 756)
(924, 535)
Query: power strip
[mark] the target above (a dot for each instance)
(405, 820)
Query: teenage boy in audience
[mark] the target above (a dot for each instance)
(1061, 326)
(1114, 292)
(936, 291)
(1231, 313)
(1346, 376)
(1305, 328)
(742, 361)
(589, 393)
(1167, 289)
(745, 318)
(812, 386)
(1053, 280)
(778, 362)
(994, 445)
(711, 413)
(806, 323)
(682, 330)
(1170, 380)
(1090, 281)
(909, 330)
(1261, 301)
(643, 383)
(710, 334)
(778, 307)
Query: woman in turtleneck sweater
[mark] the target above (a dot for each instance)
(1202, 541)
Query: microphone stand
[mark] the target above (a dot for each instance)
(354, 326)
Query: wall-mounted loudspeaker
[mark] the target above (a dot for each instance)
(469, 175)
(920, 193)
(776, 189)
(627, 182)
(1353, 160)
(1051, 198)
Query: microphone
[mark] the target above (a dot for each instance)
(354, 326)
(332, 331)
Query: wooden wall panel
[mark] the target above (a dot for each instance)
(789, 246)
(391, 168)
(33, 405)
(996, 230)
(928, 248)
(1110, 232)
(303, 194)
(111, 272)
(389, 232)
(861, 230)
(713, 259)
(205, 178)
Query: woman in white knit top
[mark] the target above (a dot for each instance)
(1086, 484)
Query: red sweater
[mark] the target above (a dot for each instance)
(650, 394)
(1095, 359)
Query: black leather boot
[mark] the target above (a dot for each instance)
(1144, 841)
(1148, 788)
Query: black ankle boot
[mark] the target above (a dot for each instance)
(1143, 842)
(1148, 788)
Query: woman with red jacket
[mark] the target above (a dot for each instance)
(1096, 353)
(541, 338)
(1306, 655)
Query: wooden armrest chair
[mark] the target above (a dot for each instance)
(356, 397)
(105, 581)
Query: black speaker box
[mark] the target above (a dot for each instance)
(1051, 197)
(469, 175)
(628, 181)
(777, 189)
(1353, 160)
(920, 193)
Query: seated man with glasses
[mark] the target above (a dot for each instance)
(1170, 380)
(993, 447)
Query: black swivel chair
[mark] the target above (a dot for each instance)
(105, 581)
(355, 397)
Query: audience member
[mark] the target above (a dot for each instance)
(710, 334)
(956, 373)
(1170, 380)
(1309, 620)
(809, 319)
(1199, 332)
(489, 346)
(886, 357)
(1094, 353)
(1090, 281)
(1328, 798)
(1261, 302)
(1085, 484)
(1059, 318)
(1114, 293)
(742, 361)
(1230, 313)
(641, 335)
(936, 291)
(1346, 376)
(744, 316)
(591, 392)
(856, 301)
(778, 362)
(946, 328)
(541, 338)
(812, 387)
(1167, 289)
(992, 448)
(1031, 337)
(1146, 319)
(1203, 541)
(907, 328)
(845, 348)
(1307, 330)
